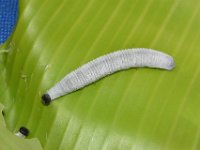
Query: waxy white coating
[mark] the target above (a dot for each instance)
(108, 64)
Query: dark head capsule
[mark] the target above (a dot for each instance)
(46, 99)
(24, 131)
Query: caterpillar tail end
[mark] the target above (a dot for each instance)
(171, 64)
(46, 99)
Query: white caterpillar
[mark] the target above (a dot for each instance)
(105, 65)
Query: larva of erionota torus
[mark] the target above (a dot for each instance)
(23, 132)
(105, 65)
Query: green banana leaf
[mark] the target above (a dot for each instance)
(140, 109)
(9, 141)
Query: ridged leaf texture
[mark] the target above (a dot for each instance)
(139, 109)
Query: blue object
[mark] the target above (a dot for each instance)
(8, 18)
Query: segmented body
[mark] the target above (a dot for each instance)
(108, 64)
